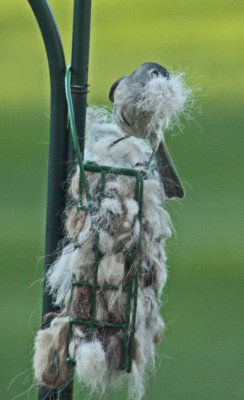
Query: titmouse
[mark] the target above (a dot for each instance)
(144, 104)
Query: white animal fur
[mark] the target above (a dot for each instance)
(91, 366)
(166, 99)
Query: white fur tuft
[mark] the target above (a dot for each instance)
(166, 99)
(91, 364)
(111, 269)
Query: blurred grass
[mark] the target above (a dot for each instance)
(202, 356)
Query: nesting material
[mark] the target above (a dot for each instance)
(166, 99)
(98, 361)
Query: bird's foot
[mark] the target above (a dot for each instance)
(116, 141)
(146, 164)
(140, 165)
(151, 158)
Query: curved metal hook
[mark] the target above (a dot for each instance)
(58, 131)
(58, 146)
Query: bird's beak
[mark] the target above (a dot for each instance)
(112, 90)
(168, 174)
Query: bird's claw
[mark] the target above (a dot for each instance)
(146, 164)
(141, 165)
(117, 141)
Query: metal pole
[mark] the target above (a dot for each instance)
(79, 89)
(79, 71)
(79, 64)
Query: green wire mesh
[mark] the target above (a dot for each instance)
(134, 255)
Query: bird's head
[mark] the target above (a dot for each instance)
(139, 78)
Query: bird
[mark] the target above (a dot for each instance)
(144, 103)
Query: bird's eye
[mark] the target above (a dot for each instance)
(155, 73)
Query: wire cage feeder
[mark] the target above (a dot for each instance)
(130, 284)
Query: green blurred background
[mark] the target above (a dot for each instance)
(202, 355)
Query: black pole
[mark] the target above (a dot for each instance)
(79, 65)
(79, 90)
(79, 73)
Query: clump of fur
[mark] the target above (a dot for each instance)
(91, 365)
(165, 99)
(50, 364)
(97, 362)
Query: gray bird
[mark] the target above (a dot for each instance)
(144, 104)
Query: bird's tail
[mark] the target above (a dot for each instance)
(168, 174)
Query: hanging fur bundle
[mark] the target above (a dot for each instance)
(98, 361)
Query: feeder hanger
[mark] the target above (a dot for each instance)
(61, 151)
